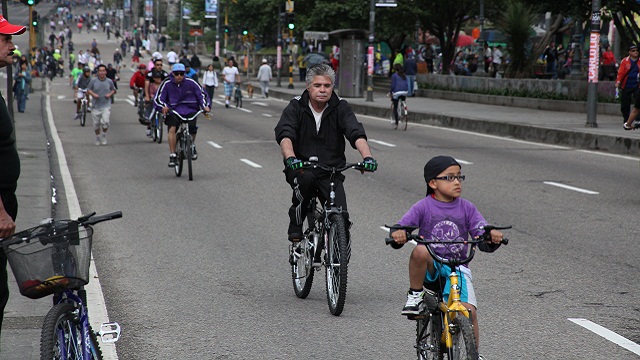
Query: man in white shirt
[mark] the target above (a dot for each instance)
(497, 61)
(230, 76)
(264, 76)
(172, 57)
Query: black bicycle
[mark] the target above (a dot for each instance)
(156, 126)
(445, 327)
(142, 111)
(325, 242)
(54, 258)
(184, 144)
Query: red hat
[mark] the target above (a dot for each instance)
(9, 29)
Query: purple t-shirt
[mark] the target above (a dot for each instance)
(445, 221)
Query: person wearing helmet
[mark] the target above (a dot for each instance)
(184, 97)
(137, 81)
(157, 65)
(80, 89)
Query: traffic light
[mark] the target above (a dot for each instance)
(30, 2)
(291, 21)
(226, 29)
(245, 31)
(34, 20)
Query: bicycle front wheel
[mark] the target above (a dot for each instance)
(159, 130)
(336, 264)
(188, 153)
(464, 341)
(154, 128)
(428, 335)
(83, 114)
(180, 157)
(302, 262)
(61, 334)
(403, 114)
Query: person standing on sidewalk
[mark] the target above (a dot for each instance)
(627, 81)
(496, 62)
(21, 87)
(9, 161)
(264, 76)
(101, 89)
(410, 71)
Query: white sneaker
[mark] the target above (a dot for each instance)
(415, 303)
(97, 142)
(104, 140)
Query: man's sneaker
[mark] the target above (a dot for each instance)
(415, 303)
(172, 160)
(97, 142)
(295, 232)
(77, 116)
(148, 132)
(226, 105)
(104, 140)
(194, 153)
(480, 357)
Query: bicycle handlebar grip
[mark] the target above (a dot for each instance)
(505, 241)
(392, 243)
(110, 216)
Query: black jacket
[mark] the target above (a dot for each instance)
(338, 122)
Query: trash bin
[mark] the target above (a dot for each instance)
(351, 69)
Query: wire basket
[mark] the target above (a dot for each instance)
(50, 258)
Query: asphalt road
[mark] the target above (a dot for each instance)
(199, 269)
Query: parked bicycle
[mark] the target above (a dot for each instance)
(445, 328)
(54, 258)
(402, 113)
(84, 105)
(184, 144)
(325, 242)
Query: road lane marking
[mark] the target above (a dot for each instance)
(625, 157)
(607, 334)
(61, 97)
(218, 102)
(464, 162)
(386, 229)
(214, 145)
(97, 308)
(245, 110)
(130, 102)
(260, 104)
(251, 163)
(267, 115)
(568, 187)
(382, 143)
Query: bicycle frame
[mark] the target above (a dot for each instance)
(452, 308)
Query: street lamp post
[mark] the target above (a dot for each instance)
(370, 55)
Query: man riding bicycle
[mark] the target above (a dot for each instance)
(81, 84)
(137, 81)
(316, 124)
(184, 97)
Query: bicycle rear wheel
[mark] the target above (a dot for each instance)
(336, 264)
(159, 130)
(464, 341)
(154, 128)
(188, 153)
(428, 335)
(392, 118)
(61, 334)
(179, 157)
(302, 268)
(404, 114)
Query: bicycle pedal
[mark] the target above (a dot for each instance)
(109, 332)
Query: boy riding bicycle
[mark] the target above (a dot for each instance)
(442, 215)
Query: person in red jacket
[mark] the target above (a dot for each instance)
(628, 81)
(137, 81)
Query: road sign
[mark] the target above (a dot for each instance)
(289, 6)
(196, 32)
(316, 35)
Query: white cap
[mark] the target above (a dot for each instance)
(264, 61)
(156, 55)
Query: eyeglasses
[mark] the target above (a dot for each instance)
(634, 50)
(451, 178)
(178, 73)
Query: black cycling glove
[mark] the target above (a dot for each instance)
(292, 163)
(370, 164)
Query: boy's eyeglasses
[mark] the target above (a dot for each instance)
(451, 178)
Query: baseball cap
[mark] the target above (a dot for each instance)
(264, 61)
(435, 166)
(178, 67)
(7, 28)
(142, 66)
(633, 46)
(156, 55)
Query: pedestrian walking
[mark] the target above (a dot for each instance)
(101, 89)
(628, 81)
(264, 76)
(21, 86)
(210, 81)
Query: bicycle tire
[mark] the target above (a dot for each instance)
(179, 158)
(83, 114)
(154, 128)
(58, 338)
(302, 272)
(428, 336)
(188, 153)
(464, 341)
(159, 130)
(404, 114)
(336, 264)
(96, 352)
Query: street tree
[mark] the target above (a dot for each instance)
(515, 23)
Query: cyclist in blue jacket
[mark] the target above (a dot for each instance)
(399, 89)
(185, 97)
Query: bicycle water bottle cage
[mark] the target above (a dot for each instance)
(109, 332)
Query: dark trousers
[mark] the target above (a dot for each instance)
(210, 90)
(10, 204)
(305, 185)
(628, 97)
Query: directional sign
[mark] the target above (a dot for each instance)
(196, 32)
(316, 35)
(289, 6)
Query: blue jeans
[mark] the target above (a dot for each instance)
(22, 100)
(411, 80)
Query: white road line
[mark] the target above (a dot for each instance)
(245, 110)
(267, 115)
(131, 97)
(464, 162)
(97, 308)
(625, 157)
(386, 229)
(382, 143)
(130, 102)
(214, 145)
(568, 187)
(251, 163)
(60, 97)
(608, 334)
(260, 104)
(218, 102)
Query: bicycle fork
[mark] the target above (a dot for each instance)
(451, 310)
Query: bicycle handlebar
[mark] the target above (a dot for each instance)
(313, 163)
(485, 237)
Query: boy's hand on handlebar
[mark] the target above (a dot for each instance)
(370, 164)
(399, 236)
(495, 237)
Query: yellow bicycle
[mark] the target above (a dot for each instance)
(445, 328)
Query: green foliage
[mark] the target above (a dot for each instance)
(515, 23)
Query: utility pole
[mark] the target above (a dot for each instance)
(594, 64)
(370, 52)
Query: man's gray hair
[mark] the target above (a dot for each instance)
(320, 70)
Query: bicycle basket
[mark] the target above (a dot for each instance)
(50, 258)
